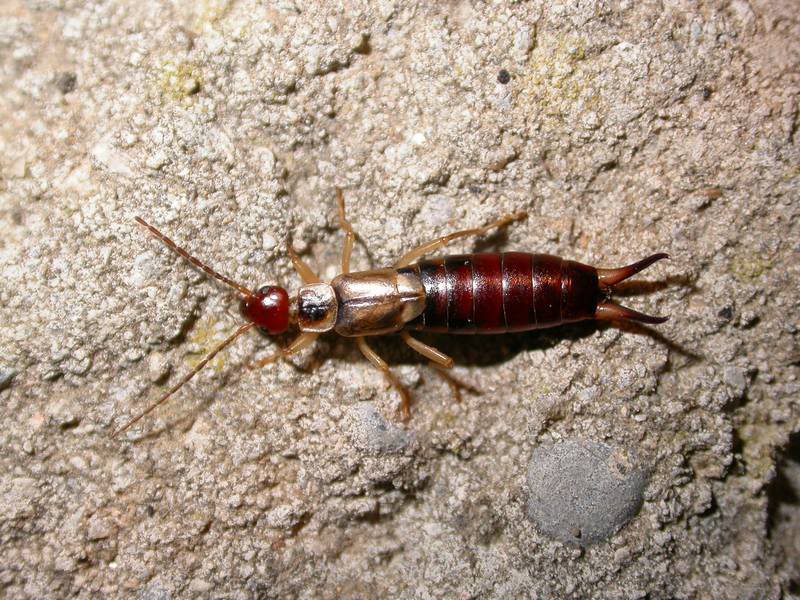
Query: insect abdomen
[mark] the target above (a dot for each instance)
(498, 293)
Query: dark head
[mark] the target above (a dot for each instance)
(268, 309)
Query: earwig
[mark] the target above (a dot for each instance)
(486, 293)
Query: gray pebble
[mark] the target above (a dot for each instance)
(370, 432)
(736, 379)
(582, 491)
(99, 528)
(6, 377)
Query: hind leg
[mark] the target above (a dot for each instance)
(420, 251)
(435, 355)
(454, 384)
(440, 363)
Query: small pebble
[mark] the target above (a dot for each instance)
(156, 160)
(285, 516)
(200, 586)
(99, 528)
(736, 380)
(158, 367)
(52, 374)
(191, 86)
(371, 432)
(7, 375)
(268, 242)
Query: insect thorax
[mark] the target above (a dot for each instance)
(364, 303)
(377, 302)
(317, 307)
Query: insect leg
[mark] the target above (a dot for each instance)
(420, 251)
(350, 235)
(455, 385)
(440, 363)
(301, 341)
(305, 272)
(435, 355)
(379, 363)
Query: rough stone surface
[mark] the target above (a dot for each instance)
(582, 491)
(624, 128)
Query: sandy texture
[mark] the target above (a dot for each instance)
(623, 128)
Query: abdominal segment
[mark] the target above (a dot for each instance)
(498, 293)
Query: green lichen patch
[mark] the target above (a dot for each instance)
(177, 81)
(556, 79)
(206, 336)
(748, 267)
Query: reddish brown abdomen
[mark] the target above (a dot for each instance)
(498, 293)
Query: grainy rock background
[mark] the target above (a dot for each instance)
(623, 128)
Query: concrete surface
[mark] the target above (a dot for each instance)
(623, 128)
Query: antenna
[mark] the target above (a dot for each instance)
(239, 332)
(192, 260)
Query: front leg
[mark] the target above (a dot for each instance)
(300, 342)
(306, 273)
(350, 234)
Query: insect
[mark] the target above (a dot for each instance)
(471, 293)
